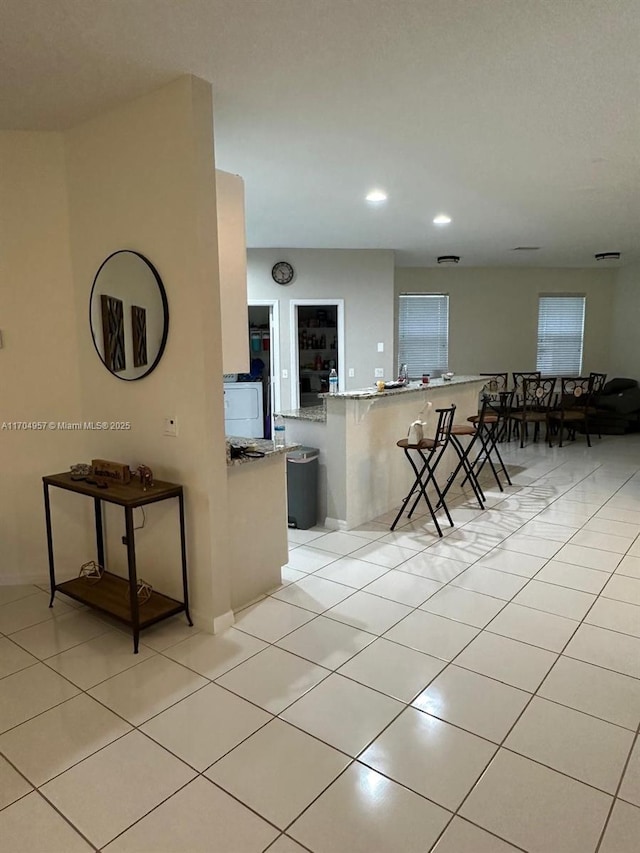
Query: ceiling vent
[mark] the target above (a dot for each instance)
(526, 249)
(608, 256)
(449, 259)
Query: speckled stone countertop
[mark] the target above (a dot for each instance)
(264, 445)
(309, 413)
(372, 393)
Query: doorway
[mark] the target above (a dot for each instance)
(264, 346)
(317, 347)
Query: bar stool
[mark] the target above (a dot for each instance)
(475, 432)
(429, 452)
(492, 423)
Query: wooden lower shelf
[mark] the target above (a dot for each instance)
(111, 595)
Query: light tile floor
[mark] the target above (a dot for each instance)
(398, 693)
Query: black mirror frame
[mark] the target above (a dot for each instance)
(165, 311)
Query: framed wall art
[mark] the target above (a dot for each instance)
(139, 332)
(113, 333)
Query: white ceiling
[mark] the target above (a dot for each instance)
(518, 118)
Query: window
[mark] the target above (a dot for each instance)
(560, 333)
(423, 332)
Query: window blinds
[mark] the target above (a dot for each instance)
(560, 334)
(423, 332)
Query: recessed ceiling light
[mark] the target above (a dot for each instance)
(608, 256)
(449, 259)
(442, 219)
(377, 195)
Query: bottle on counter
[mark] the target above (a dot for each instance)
(279, 437)
(333, 381)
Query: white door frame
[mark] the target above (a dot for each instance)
(274, 348)
(293, 337)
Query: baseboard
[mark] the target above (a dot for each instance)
(213, 624)
(23, 578)
(335, 523)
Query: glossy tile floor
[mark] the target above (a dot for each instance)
(399, 693)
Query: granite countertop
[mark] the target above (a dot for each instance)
(372, 393)
(264, 445)
(309, 413)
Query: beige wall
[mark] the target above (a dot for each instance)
(625, 348)
(140, 177)
(39, 374)
(362, 277)
(493, 313)
(232, 258)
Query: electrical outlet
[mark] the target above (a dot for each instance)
(171, 427)
(285, 374)
(352, 373)
(380, 346)
(379, 372)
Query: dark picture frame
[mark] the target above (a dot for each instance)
(139, 334)
(113, 333)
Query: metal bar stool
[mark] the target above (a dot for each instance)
(430, 452)
(475, 431)
(492, 423)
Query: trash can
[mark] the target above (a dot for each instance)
(302, 487)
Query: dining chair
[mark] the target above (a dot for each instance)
(573, 407)
(597, 384)
(518, 385)
(537, 400)
(518, 392)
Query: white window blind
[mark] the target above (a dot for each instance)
(423, 332)
(560, 334)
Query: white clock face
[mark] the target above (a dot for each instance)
(282, 273)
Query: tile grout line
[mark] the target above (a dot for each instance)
(330, 671)
(617, 791)
(500, 746)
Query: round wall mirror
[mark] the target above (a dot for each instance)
(129, 315)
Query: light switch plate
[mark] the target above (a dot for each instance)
(285, 374)
(379, 372)
(380, 346)
(352, 373)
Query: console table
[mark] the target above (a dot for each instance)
(113, 594)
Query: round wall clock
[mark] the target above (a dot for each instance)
(282, 273)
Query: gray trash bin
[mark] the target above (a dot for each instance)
(302, 487)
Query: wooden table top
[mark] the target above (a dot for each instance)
(132, 494)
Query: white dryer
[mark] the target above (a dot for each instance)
(243, 409)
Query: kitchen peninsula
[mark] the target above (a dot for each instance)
(363, 474)
(257, 499)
